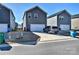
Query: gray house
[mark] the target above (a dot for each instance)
(34, 19)
(75, 22)
(7, 19)
(60, 19)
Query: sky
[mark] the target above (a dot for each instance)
(51, 8)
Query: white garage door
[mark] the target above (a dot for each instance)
(3, 27)
(65, 27)
(37, 27)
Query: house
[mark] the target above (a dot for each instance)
(34, 19)
(75, 22)
(19, 26)
(61, 19)
(16, 25)
(7, 19)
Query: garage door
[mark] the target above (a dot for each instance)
(65, 27)
(3, 27)
(37, 27)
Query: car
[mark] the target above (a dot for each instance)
(47, 29)
(54, 30)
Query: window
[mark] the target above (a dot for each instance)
(61, 17)
(35, 15)
(29, 15)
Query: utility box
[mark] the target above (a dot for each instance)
(1, 37)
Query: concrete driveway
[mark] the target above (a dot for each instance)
(37, 36)
(52, 37)
(49, 48)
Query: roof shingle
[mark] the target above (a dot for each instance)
(75, 16)
(55, 14)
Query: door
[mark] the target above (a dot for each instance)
(37, 27)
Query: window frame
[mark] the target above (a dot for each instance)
(61, 17)
(36, 15)
(29, 15)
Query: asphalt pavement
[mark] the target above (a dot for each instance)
(49, 48)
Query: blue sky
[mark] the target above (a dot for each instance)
(51, 8)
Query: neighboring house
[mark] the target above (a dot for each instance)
(60, 19)
(16, 25)
(75, 22)
(7, 19)
(34, 19)
(19, 26)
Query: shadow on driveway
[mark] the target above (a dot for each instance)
(5, 47)
(27, 38)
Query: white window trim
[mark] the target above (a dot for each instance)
(61, 17)
(29, 15)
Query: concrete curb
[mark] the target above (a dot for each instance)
(57, 40)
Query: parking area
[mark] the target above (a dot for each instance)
(54, 37)
(38, 36)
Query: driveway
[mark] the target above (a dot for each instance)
(49, 48)
(49, 44)
(32, 36)
(54, 37)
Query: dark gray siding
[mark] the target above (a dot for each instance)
(65, 21)
(40, 20)
(4, 15)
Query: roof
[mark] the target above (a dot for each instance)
(36, 7)
(5, 7)
(55, 14)
(75, 16)
(8, 9)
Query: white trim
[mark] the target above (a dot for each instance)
(12, 22)
(24, 22)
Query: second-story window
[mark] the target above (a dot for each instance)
(61, 17)
(29, 15)
(35, 15)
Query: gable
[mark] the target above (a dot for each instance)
(58, 13)
(36, 8)
(65, 13)
(4, 7)
(36, 11)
